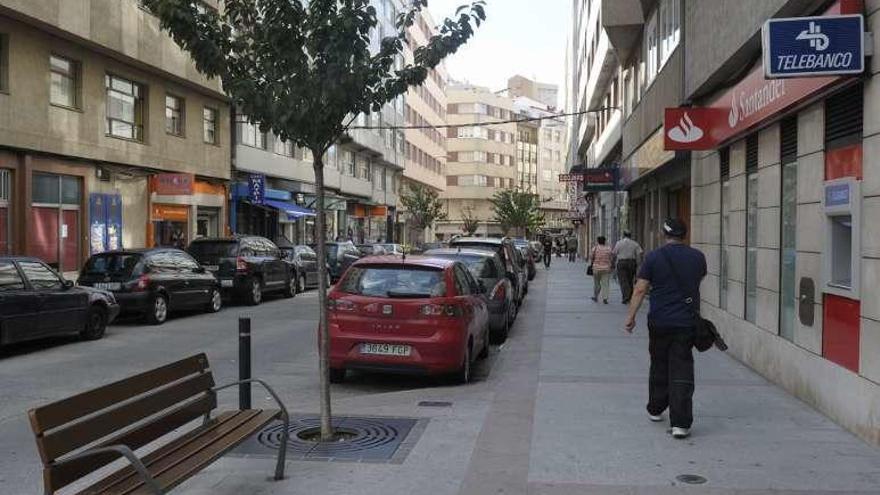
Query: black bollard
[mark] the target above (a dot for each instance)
(244, 362)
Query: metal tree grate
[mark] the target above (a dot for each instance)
(372, 439)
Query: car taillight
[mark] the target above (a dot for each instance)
(240, 264)
(340, 305)
(498, 293)
(441, 310)
(142, 283)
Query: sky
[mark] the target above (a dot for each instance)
(525, 37)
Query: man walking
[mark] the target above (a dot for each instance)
(627, 252)
(673, 274)
(572, 244)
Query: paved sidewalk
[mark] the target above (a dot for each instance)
(559, 410)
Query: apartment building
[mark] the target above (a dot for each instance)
(481, 158)
(596, 134)
(109, 137)
(546, 93)
(361, 177)
(425, 148)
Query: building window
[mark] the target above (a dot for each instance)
(751, 227)
(209, 117)
(4, 62)
(724, 159)
(251, 134)
(125, 108)
(174, 114)
(284, 148)
(64, 77)
(787, 293)
(662, 34)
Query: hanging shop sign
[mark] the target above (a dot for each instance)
(257, 189)
(174, 184)
(579, 177)
(600, 179)
(814, 46)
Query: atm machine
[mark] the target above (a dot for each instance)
(841, 263)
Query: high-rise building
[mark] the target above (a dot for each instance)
(481, 158)
(110, 137)
(425, 111)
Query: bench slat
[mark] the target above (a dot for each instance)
(57, 477)
(68, 439)
(66, 410)
(179, 460)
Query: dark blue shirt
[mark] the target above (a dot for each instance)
(668, 308)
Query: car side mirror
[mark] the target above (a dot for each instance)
(483, 288)
(199, 269)
(67, 284)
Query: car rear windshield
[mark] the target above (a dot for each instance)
(394, 282)
(479, 266)
(115, 264)
(213, 249)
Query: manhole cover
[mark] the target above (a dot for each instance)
(366, 439)
(691, 479)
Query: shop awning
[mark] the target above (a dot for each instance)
(293, 211)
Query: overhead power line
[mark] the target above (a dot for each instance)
(481, 124)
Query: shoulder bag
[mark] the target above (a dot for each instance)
(705, 332)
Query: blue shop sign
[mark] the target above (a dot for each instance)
(257, 188)
(814, 46)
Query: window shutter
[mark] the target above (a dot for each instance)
(788, 135)
(844, 115)
(724, 158)
(752, 153)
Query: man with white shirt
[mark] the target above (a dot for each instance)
(627, 252)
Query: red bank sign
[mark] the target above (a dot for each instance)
(742, 107)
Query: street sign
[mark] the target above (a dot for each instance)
(814, 46)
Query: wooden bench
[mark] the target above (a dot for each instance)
(84, 433)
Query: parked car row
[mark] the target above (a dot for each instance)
(431, 314)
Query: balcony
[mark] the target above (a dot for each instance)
(623, 21)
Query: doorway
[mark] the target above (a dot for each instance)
(54, 228)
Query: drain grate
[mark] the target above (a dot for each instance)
(372, 439)
(691, 479)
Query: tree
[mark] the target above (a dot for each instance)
(422, 205)
(470, 222)
(517, 210)
(305, 70)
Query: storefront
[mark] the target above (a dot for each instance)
(271, 213)
(183, 208)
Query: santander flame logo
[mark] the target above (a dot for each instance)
(686, 131)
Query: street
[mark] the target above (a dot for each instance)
(557, 410)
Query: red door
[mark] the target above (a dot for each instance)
(44, 233)
(69, 240)
(4, 231)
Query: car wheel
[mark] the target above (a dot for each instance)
(158, 312)
(337, 375)
(484, 352)
(96, 323)
(254, 295)
(301, 283)
(215, 303)
(290, 287)
(499, 337)
(463, 375)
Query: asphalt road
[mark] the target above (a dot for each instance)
(284, 353)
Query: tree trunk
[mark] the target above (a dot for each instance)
(323, 330)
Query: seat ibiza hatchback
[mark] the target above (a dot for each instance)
(417, 315)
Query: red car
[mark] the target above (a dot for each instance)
(417, 315)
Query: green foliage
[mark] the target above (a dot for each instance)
(517, 210)
(422, 205)
(470, 222)
(304, 71)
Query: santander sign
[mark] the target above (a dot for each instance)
(749, 103)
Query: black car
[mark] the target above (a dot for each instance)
(36, 302)
(246, 266)
(305, 263)
(529, 254)
(514, 264)
(153, 282)
(340, 255)
(488, 268)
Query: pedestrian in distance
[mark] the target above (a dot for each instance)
(548, 251)
(601, 261)
(627, 254)
(673, 274)
(572, 244)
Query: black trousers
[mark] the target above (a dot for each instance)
(626, 275)
(671, 383)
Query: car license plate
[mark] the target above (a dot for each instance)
(226, 283)
(386, 349)
(108, 285)
(212, 268)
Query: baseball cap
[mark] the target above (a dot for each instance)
(674, 227)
